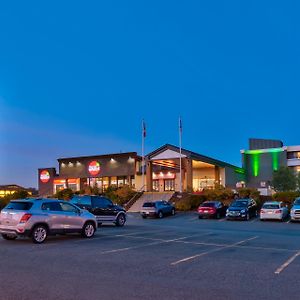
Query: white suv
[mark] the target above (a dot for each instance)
(38, 218)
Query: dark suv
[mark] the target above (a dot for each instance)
(103, 209)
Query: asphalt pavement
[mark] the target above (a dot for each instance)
(178, 257)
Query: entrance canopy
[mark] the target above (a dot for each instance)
(198, 171)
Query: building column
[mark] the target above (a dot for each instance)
(217, 175)
(189, 174)
(149, 177)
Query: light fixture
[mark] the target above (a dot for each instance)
(130, 159)
(71, 164)
(78, 163)
(112, 160)
(63, 165)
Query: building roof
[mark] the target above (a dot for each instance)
(193, 155)
(11, 187)
(132, 154)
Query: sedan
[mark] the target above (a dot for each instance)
(242, 209)
(274, 211)
(211, 209)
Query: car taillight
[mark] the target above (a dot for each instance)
(278, 211)
(25, 218)
(262, 211)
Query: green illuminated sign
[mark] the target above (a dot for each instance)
(255, 158)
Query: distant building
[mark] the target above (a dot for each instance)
(10, 189)
(263, 158)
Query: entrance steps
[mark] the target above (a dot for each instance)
(150, 197)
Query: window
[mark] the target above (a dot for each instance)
(102, 202)
(66, 207)
(19, 205)
(51, 206)
(85, 200)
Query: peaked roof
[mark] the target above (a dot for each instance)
(191, 155)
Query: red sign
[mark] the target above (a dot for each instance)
(94, 168)
(45, 176)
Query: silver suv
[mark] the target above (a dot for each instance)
(38, 218)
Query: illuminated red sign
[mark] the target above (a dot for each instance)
(94, 167)
(44, 176)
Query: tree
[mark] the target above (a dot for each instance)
(284, 180)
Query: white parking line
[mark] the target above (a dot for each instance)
(142, 246)
(287, 263)
(211, 251)
(222, 220)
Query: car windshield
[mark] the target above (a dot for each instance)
(239, 203)
(208, 204)
(149, 204)
(19, 205)
(271, 206)
(297, 201)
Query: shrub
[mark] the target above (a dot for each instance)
(123, 194)
(65, 194)
(183, 205)
(249, 193)
(287, 197)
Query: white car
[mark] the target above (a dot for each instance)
(274, 211)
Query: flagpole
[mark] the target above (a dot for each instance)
(180, 160)
(143, 155)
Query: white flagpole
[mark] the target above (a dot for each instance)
(143, 154)
(180, 160)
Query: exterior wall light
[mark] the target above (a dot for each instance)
(71, 164)
(63, 165)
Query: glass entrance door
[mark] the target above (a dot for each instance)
(169, 184)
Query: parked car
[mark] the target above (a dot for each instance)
(157, 209)
(38, 218)
(212, 209)
(242, 209)
(103, 208)
(274, 211)
(295, 210)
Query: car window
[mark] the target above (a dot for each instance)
(208, 204)
(102, 202)
(66, 207)
(51, 206)
(149, 204)
(271, 206)
(297, 201)
(239, 203)
(19, 205)
(85, 200)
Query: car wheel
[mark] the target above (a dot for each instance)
(218, 216)
(144, 217)
(173, 212)
(39, 234)
(199, 217)
(121, 219)
(160, 214)
(9, 237)
(88, 230)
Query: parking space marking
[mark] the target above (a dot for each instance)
(287, 263)
(222, 220)
(142, 246)
(212, 251)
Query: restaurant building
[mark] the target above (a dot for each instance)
(161, 170)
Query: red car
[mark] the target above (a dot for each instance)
(212, 209)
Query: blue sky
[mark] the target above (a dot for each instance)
(77, 77)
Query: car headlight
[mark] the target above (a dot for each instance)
(292, 211)
(227, 211)
(243, 211)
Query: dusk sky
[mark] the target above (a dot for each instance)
(77, 78)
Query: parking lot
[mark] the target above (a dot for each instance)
(178, 257)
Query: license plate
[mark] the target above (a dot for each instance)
(206, 211)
